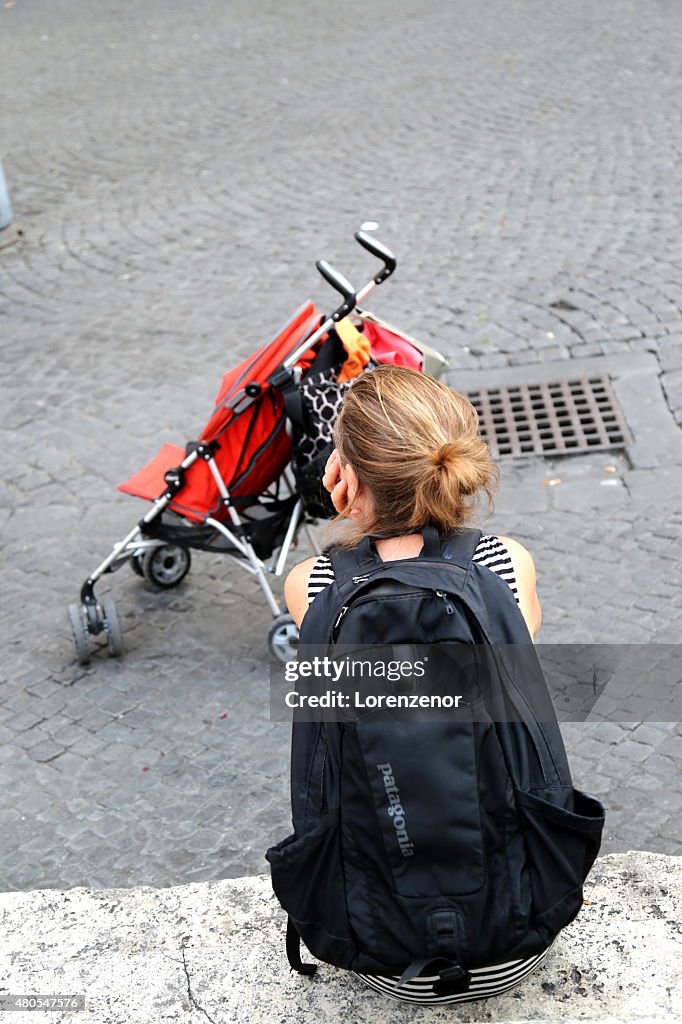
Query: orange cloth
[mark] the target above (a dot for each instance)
(357, 348)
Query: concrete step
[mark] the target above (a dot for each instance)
(215, 951)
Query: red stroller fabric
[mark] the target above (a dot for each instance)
(254, 444)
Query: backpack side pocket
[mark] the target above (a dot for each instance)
(561, 846)
(307, 877)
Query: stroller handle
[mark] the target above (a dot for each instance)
(339, 282)
(351, 298)
(381, 253)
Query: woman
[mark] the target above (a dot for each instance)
(408, 454)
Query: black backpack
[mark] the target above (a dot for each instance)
(441, 845)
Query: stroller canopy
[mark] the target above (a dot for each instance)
(248, 424)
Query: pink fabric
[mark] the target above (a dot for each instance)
(391, 348)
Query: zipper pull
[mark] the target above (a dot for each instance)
(448, 606)
(360, 579)
(340, 616)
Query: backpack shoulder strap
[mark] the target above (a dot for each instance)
(347, 562)
(293, 947)
(455, 547)
(458, 548)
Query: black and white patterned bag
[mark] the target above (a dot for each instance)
(321, 397)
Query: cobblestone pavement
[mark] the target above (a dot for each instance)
(177, 168)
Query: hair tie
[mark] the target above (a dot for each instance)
(441, 458)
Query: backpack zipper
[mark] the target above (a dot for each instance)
(363, 598)
(341, 614)
(323, 795)
(449, 607)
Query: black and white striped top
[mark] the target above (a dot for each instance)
(485, 981)
(490, 552)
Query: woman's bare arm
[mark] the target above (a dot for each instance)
(524, 571)
(296, 589)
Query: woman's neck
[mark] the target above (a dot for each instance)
(393, 548)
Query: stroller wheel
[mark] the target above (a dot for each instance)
(136, 565)
(283, 638)
(79, 631)
(112, 627)
(167, 565)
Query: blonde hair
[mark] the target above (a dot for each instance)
(415, 445)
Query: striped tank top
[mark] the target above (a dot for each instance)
(485, 981)
(490, 552)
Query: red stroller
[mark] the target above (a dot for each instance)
(252, 480)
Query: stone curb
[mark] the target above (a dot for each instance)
(215, 951)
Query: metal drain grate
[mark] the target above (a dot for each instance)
(558, 418)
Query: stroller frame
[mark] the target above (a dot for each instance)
(146, 540)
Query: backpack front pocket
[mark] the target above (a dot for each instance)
(561, 846)
(423, 798)
(307, 877)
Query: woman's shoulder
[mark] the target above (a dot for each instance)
(296, 587)
(523, 568)
(489, 547)
(494, 554)
(519, 555)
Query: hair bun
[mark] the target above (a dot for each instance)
(442, 458)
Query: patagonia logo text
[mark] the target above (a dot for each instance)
(395, 810)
